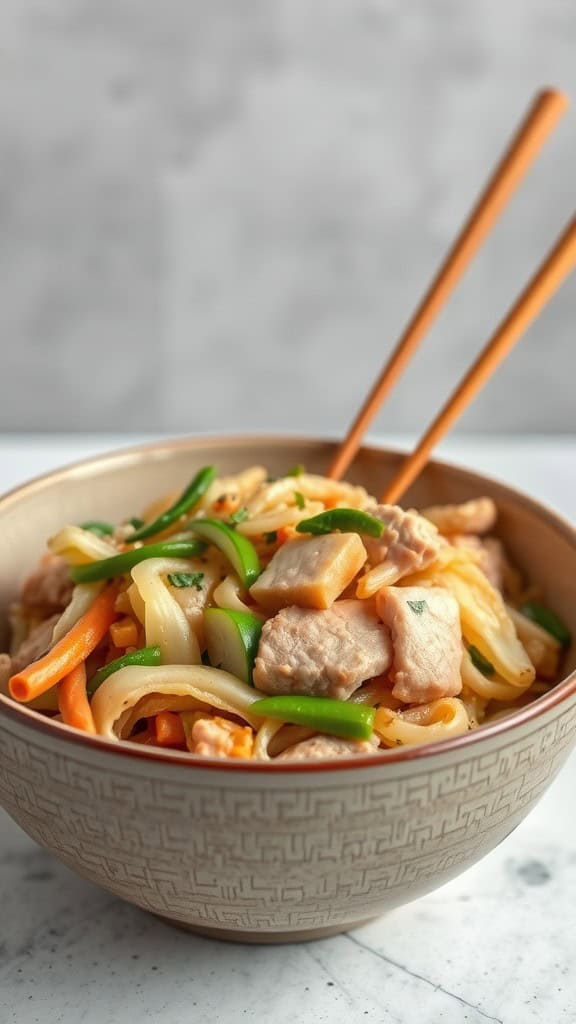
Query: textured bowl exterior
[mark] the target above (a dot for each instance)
(278, 855)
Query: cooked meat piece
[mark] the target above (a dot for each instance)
(476, 516)
(327, 746)
(5, 672)
(311, 573)
(49, 588)
(193, 600)
(36, 643)
(487, 551)
(325, 653)
(409, 543)
(217, 737)
(427, 642)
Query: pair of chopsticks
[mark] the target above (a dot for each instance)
(543, 115)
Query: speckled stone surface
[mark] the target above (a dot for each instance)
(219, 215)
(496, 944)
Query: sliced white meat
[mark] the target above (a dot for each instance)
(488, 552)
(36, 643)
(49, 588)
(318, 747)
(326, 653)
(476, 516)
(311, 573)
(427, 642)
(5, 672)
(409, 543)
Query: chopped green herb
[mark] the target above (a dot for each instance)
(417, 606)
(97, 527)
(136, 522)
(239, 516)
(186, 579)
(480, 662)
(271, 537)
(297, 470)
(299, 499)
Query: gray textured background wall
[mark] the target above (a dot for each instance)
(217, 215)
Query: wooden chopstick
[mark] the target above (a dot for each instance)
(560, 262)
(543, 114)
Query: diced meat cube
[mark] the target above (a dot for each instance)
(427, 642)
(476, 516)
(49, 588)
(488, 552)
(327, 653)
(318, 747)
(36, 643)
(218, 737)
(311, 573)
(409, 543)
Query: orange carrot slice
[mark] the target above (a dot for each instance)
(73, 700)
(69, 652)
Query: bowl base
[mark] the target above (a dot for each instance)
(265, 938)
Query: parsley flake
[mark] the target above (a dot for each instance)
(299, 499)
(296, 470)
(417, 606)
(271, 537)
(186, 579)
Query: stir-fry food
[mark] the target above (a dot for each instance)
(284, 619)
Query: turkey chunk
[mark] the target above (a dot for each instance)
(327, 746)
(477, 516)
(409, 543)
(311, 573)
(36, 643)
(489, 554)
(326, 653)
(217, 737)
(426, 637)
(49, 588)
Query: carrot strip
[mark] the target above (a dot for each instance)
(69, 652)
(73, 700)
(124, 633)
(169, 731)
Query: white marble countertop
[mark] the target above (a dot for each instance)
(496, 944)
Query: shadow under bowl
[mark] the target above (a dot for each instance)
(289, 851)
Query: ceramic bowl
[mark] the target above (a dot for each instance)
(291, 851)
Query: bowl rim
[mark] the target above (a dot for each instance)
(561, 692)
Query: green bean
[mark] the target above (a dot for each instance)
(187, 500)
(117, 565)
(348, 520)
(335, 717)
(145, 656)
(548, 620)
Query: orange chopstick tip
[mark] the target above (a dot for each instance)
(557, 97)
